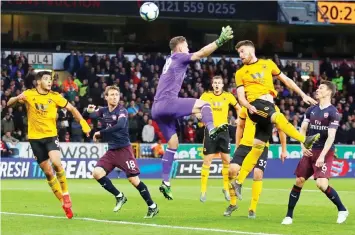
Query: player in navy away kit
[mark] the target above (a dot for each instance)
(167, 107)
(120, 153)
(323, 119)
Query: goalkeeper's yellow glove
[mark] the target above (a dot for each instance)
(85, 126)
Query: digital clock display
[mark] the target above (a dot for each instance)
(336, 12)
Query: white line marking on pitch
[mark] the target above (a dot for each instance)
(139, 224)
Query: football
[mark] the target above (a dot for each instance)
(149, 11)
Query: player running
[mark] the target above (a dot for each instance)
(120, 152)
(219, 101)
(167, 107)
(320, 119)
(42, 104)
(244, 141)
(256, 92)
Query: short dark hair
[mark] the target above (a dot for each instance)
(39, 75)
(108, 88)
(175, 41)
(217, 77)
(244, 43)
(331, 86)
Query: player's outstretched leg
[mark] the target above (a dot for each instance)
(144, 192)
(100, 175)
(283, 124)
(293, 199)
(323, 185)
(225, 175)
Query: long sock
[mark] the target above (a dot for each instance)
(283, 124)
(292, 201)
(334, 197)
(107, 184)
(63, 181)
(55, 186)
(225, 175)
(255, 192)
(233, 197)
(249, 162)
(168, 160)
(205, 172)
(143, 190)
(207, 116)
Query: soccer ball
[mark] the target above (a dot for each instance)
(149, 11)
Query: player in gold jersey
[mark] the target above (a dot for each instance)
(219, 101)
(256, 92)
(42, 104)
(244, 141)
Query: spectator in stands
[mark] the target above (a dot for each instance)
(71, 63)
(7, 124)
(338, 81)
(5, 151)
(133, 108)
(190, 132)
(10, 142)
(148, 132)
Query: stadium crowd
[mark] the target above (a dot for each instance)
(137, 79)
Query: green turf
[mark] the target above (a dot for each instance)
(314, 213)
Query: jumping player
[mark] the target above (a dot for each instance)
(42, 105)
(167, 107)
(324, 120)
(255, 80)
(219, 101)
(244, 141)
(120, 153)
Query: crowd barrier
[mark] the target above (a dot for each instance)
(79, 159)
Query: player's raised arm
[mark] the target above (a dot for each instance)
(76, 114)
(121, 123)
(226, 35)
(290, 84)
(13, 100)
(92, 112)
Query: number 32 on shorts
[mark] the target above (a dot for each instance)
(262, 163)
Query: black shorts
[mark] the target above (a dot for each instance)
(219, 145)
(242, 151)
(41, 147)
(263, 127)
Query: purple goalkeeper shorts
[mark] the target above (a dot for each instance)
(165, 113)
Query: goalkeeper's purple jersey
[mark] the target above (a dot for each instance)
(172, 76)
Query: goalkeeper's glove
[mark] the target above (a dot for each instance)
(85, 126)
(226, 35)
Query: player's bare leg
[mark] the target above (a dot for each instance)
(256, 191)
(100, 175)
(293, 199)
(233, 171)
(225, 174)
(205, 172)
(168, 159)
(323, 185)
(153, 209)
(204, 108)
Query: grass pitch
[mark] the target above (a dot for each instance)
(29, 207)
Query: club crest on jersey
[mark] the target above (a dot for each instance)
(114, 117)
(326, 115)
